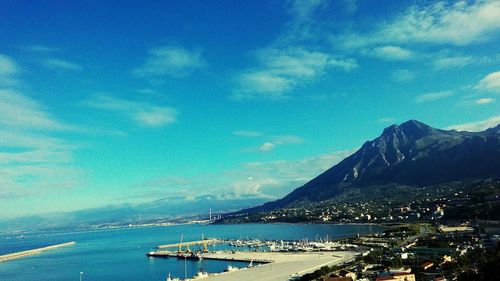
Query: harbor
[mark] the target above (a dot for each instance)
(266, 259)
(120, 254)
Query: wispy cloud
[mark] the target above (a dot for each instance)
(247, 133)
(490, 83)
(282, 70)
(8, 71)
(428, 97)
(53, 63)
(391, 53)
(477, 126)
(39, 49)
(457, 23)
(21, 111)
(386, 120)
(170, 61)
(251, 180)
(403, 75)
(31, 160)
(276, 141)
(142, 113)
(484, 100)
(453, 62)
(292, 60)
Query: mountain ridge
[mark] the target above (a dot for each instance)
(412, 153)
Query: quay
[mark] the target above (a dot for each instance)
(223, 256)
(21, 254)
(204, 242)
(268, 266)
(284, 266)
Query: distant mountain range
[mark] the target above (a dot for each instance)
(161, 210)
(410, 154)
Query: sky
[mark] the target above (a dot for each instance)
(112, 102)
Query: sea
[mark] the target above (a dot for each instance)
(120, 254)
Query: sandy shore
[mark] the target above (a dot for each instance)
(33, 252)
(283, 267)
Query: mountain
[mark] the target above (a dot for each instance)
(163, 209)
(412, 154)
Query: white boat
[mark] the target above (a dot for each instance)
(171, 279)
(230, 268)
(201, 275)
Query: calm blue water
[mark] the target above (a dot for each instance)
(120, 254)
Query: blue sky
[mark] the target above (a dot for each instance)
(110, 102)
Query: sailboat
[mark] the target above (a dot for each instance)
(171, 279)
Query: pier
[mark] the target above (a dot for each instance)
(222, 256)
(284, 266)
(204, 242)
(21, 254)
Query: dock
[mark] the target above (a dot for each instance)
(268, 266)
(284, 266)
(22, 254)
(203, 242)
(222, 256)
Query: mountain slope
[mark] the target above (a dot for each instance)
(412, 153)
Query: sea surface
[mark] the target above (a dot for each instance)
(120, 254)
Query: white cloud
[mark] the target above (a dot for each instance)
(142, 113)
(386, 120)
(391, 52)
(477, 126)
(247, 133)
(281, 70)
(8, 66)
(53, 63)
(403, 75)
(485, 100)
(304, 9)
(170, 61)
(32, 161)
(453, 62)
(490, 83)
(267, 146)
(251, 180)
(39, 49)
(303, 21)
(20, 111)
(456, 23)
(292, 60)
(278, 141)
(428, 97)
(8, 69)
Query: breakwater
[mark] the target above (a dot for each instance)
(21, 254)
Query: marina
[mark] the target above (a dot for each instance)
(267, 259)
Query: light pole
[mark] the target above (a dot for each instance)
(81, 275)
(185, 268)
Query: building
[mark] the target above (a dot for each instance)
(337, 278)
(426, 265)
(400, 276)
